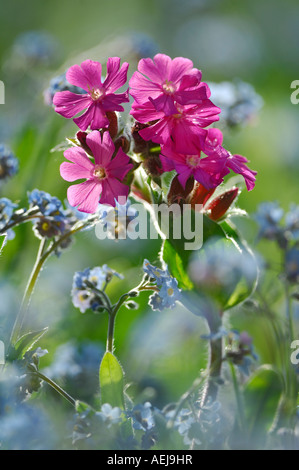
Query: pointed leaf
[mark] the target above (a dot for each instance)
(111, 381)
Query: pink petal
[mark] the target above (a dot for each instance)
(156, 70)
(69, 104)
(112, 101)
(142, 88)
(73, 172)
(99, 120)
(167, 163)
(85, 119)
(146, 112)
(184, 174)
(116, 77)
(119, 165)
(191, 79)
(237, 164)
(193, 96)
(179, 67)
(78, 156)
(102, 147)
(85, 195)
(93, 72)
(165, 104)
(77, 77)
(113, 189)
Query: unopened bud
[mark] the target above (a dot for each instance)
(81, 138)
(123, 143)
(200, 194)
(219, 206)
(113, 123)
(177, 194)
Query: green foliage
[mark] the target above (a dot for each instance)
(111, 381)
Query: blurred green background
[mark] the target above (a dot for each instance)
(255, 41)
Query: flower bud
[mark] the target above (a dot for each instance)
(113, 123)
(177, 194)
(200, 194)
(219, 206)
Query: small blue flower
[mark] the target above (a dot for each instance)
(110, 415)
(142, 416)
(6, 211)
(83, 296)
(47, 204)
(9, 164)
(156, 273)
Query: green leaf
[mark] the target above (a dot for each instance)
(262, 395)
(111, 381)
(26, 343)
(177, 258)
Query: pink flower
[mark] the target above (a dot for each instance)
(183, 127)
(237, 163)
(208, 171)
(100, 96)
(102, 178)
(165, 82)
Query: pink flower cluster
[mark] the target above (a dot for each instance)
(174, 108)
(169, 95)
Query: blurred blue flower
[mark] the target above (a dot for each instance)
(75, 364)
(60, 83)
(9, 164)
(292, 222)
(292, 264)
(220, 267)
(268, 217)
(117, 220)
(238, 101)
(35, 47)
(142, 416)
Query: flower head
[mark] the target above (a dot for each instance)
(9, 164)
(6, 211)
(164, 82)
(100, 96)
(103, 178)
(208, 171)
(182, 126)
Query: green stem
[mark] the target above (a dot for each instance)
(28, 292)
(56, 387)
(238, 397)
(110, 334)
(40, 260)
(214, 368)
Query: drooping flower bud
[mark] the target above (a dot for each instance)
(219, 206)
